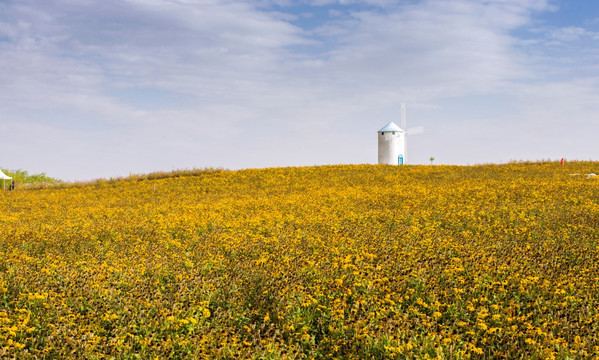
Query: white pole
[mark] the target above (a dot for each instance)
(405, 149)
(405, 136)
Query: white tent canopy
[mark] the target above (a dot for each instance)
(4, 177)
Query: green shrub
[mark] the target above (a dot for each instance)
(22, 177)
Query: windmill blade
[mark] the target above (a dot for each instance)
(415, 130)
(403, 116)
(403, 126)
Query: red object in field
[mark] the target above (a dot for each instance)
(561, 162)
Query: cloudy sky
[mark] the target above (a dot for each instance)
(105, 88)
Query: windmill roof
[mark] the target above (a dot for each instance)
(390, 127)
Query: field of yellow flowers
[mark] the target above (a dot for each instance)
(360, 261)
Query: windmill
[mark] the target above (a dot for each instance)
(393, 148)
(411, 131)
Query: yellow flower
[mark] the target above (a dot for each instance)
(360, 251)
(206, 313)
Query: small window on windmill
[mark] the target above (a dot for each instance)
(393, 132)
(382, 133)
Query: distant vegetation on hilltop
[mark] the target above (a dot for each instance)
(23, 177)
(36, 181)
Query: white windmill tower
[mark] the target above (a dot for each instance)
(393, 145)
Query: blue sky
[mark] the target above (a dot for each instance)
(92, 89)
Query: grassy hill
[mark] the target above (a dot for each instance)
(364, 261)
